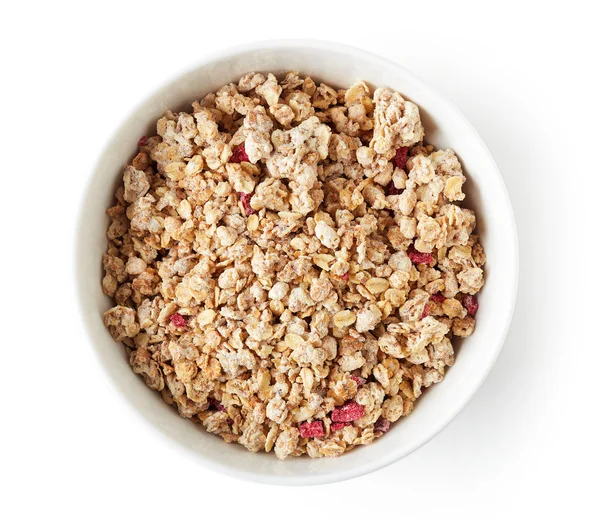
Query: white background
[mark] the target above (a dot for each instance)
(524, 73)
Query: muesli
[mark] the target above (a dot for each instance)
(290, 262)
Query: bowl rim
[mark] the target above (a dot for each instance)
(502, 197)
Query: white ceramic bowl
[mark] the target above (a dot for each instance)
(445, 127)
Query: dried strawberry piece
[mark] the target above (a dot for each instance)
(177, 320)
(143, 140)
(312, 429)
(338, 426)
(382, 425)
(239, 154)
(425, 312)
(348, 412)
(400, 159)
(438, 297)
(359, 381)
(213, 403)
(391, 189)
(470, 303)
(419, 258)
(245, 198)
(345, 276)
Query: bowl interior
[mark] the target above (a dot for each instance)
(486, 194)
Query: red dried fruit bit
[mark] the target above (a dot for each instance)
(419, 258)
(143, 140)
(238, 155)
(312, 429)
(400, 159)
(425, 312)
(438, 297)
(359, 381)
(382, 425)
(245, 198)
(348, 412)
(471, 304)
(338, 426)
(177, 320)
(213, 403)
(345, 276)
(391, 189)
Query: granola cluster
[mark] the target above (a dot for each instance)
(290, 263)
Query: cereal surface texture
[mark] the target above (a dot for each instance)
(290, 263)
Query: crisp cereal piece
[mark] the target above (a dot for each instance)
(122, 322)
(250, 81)
(368, 318)
(136, 184)
(471, 280)
(269, 90)
(463, 327)
(142, 364)
(397, 122)
(282, 113)
(287, 442)
(258, 127)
